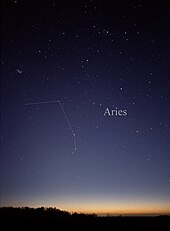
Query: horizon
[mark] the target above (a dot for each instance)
(105, 208)
(91, 212)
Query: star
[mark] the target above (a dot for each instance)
(19, 71)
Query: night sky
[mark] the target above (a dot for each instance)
(106, 67)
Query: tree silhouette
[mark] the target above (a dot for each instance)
(25, 217)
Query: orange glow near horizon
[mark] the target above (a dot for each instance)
(119, 209)
(104, 207)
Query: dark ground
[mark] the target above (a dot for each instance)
(52, 218)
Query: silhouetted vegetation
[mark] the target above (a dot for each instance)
(26, 217)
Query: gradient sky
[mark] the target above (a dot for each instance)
(91, 55)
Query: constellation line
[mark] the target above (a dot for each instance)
(54, 101)
(69, 124)
(65, 115)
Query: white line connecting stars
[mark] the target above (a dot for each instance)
(66, 117)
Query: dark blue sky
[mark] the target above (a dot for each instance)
(93, 56)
